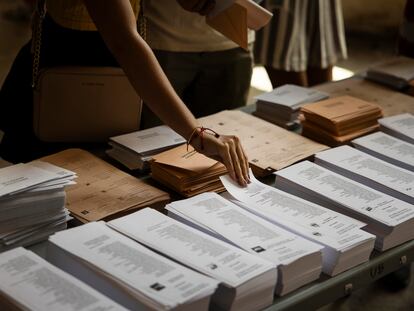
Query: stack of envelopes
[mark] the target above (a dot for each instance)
(32, 202)
(281, 106)
(338, 120)
(187, 171)
(134, 150)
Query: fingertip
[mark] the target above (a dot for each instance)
(242, 182)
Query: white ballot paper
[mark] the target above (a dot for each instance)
(354, 196)
(369, 170)
(336, 232)
(149, 140)
(400, 126)
(153, 280)
(396, 71)
(219, 217)
(30, 283)
(381, 212)
(387, 148)
(134, 150)
(197, 250)
(291, 96)
(21, 177)
(300, 216)
(32, 200)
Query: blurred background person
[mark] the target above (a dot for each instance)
(208, 71)
(302, 42)
(406, 35)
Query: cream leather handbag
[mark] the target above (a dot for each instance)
(80, 104)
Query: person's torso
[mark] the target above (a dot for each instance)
(171, 28)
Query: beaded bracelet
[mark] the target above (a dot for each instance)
(200, 134)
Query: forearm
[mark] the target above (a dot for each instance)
(117, 25)
(150, 82)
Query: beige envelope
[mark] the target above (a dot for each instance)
(235, 19)
(232, 23)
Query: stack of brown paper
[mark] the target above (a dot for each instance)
(102, 191)
(233, 24)
(234, 18)
(187, 172)
(338, 120)
(268, 146)
(391, 102)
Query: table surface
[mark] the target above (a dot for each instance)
(326, 289)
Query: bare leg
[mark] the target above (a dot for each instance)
(319, 75)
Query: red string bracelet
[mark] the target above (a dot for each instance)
(199, 130)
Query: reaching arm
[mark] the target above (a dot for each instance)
(116, 23)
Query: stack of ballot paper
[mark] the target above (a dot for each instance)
(32, 202)
(103, 191)
(28, 282)
(299, 261)
(400, 126)
(268, 147)
(338, 120)
(390, 219)
(369, 170)
(233, 18)
(247, 281)
(187, 171)
(135, 150)
(281, 106)
(397, 72)
(127, 272)
(344, 244)
(387, 148)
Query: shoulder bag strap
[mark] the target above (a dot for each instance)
(37, 23)
(142, 21)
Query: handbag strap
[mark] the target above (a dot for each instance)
(37, 26)
(142, 21)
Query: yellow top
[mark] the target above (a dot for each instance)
(74, 15)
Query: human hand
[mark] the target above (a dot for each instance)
(203, 7)
(228, 150)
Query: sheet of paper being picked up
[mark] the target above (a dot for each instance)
(233, 18)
